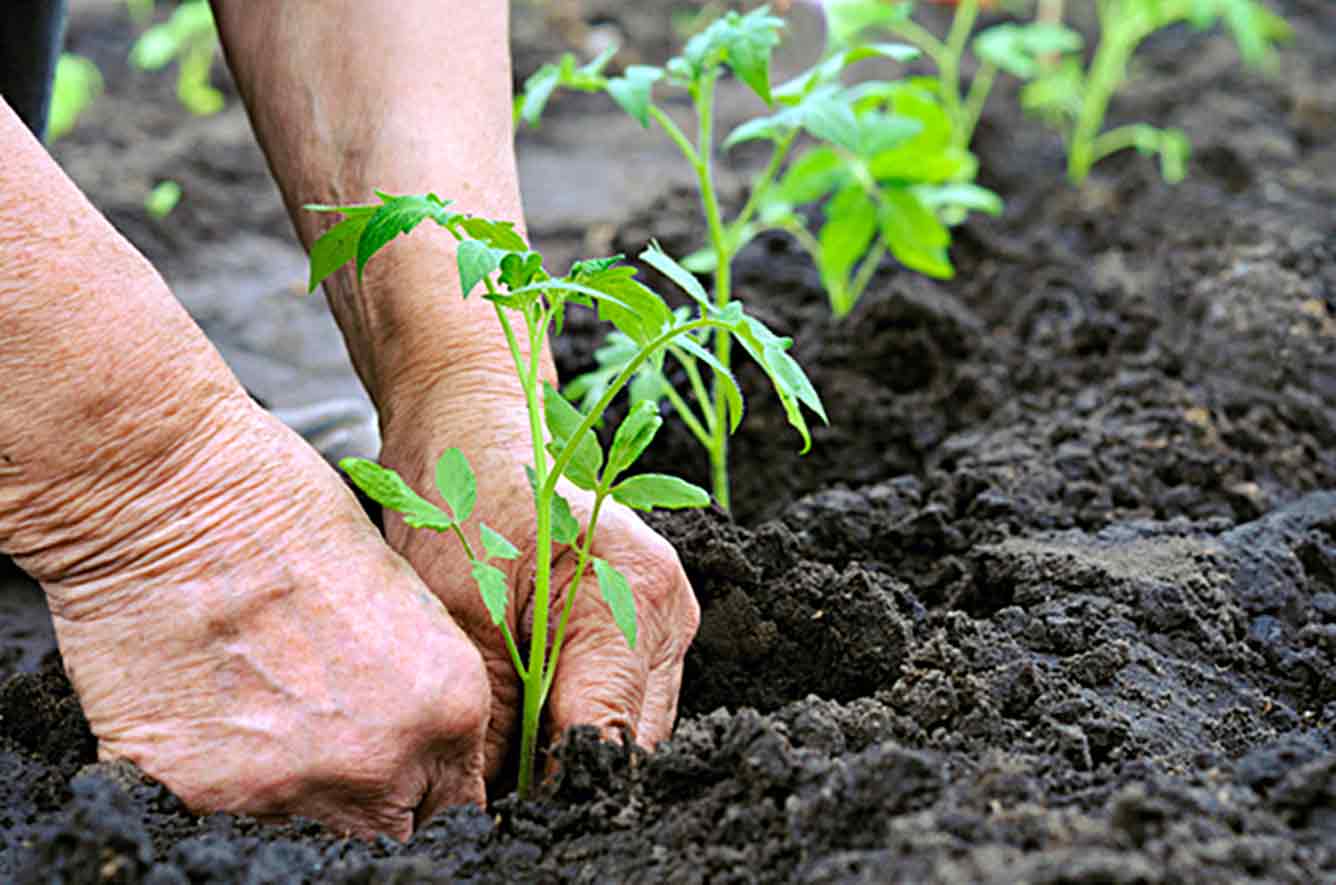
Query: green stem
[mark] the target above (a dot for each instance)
(861, 279)
(623, 378)
(723, 277)
(949, 63)
(683, 409)
(1106, 72)
(762, 183)
(583, 563)
(977, 97)
(922, 38)
(532, 676)
(1115, 140)
(515, 658)
(697, 385)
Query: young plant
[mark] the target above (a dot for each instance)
(882, 166)
(190, 38)
(1074, 98)
(1018, 49)
(530, 303)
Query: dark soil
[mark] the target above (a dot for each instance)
(1053, 599)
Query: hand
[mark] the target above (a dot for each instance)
(254, 645)
(599, 681)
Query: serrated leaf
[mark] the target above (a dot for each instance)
(397, 215)
(565, 527)
(476, 260)
(750, 48)
(769, 128)
(497, 234)
(389, 490)
(496, 545)
(649, 491)
(616, 592)
(661, 261)
(851, 226)
(633, 90)
(456, 483)
(635, 433)
(563, 420)
(538, 90)
(493, 588)
(723, 379)
(335, 248)
(635, 309)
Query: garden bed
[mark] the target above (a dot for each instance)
(1053, 599)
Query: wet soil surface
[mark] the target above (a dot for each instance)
(1053, 599)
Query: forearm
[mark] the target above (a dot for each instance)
(103, 372)
(348, 97)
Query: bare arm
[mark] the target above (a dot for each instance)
(348, 97)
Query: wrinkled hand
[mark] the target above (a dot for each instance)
(239, 630)
(599, 681)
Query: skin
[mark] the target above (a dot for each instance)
(255, 655)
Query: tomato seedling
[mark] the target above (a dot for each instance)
(1074, 97)
(882, 167)
(491, 254)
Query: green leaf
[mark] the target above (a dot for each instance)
(77, 84)
(768, 128)
(398, 215)
(633, 90)
(661, 261)
(493, 587)
(810, 177)
(830, 118)
(538, 90)
(743, 42)
(497, 234)
(565, 527)
(723, 378)
(846, 19)
(616, 352)
(389, 490)
(914, 234)
(476, 261)
(632, 307)
(650, 490)
(520, 269)
(616, 592)
(335, 248)
(851, 226)
(784, 372)
(960, 195)
(496, 545)
(635, 433)
(1017, 49)
(456, 483)
(563, 420)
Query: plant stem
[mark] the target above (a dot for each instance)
(515, 658)
(763, 182)
(532, 676)
(1117, 42)
(581, 565)
(980, 87)
(962, 23)
(723, 276)
(683, 409)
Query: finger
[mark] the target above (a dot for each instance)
(659, 712)
(600, 681)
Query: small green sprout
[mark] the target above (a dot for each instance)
(883, 166)
(1074, 98)
(189, 38)
(77, 84)
(162, 199)
(493, 256)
